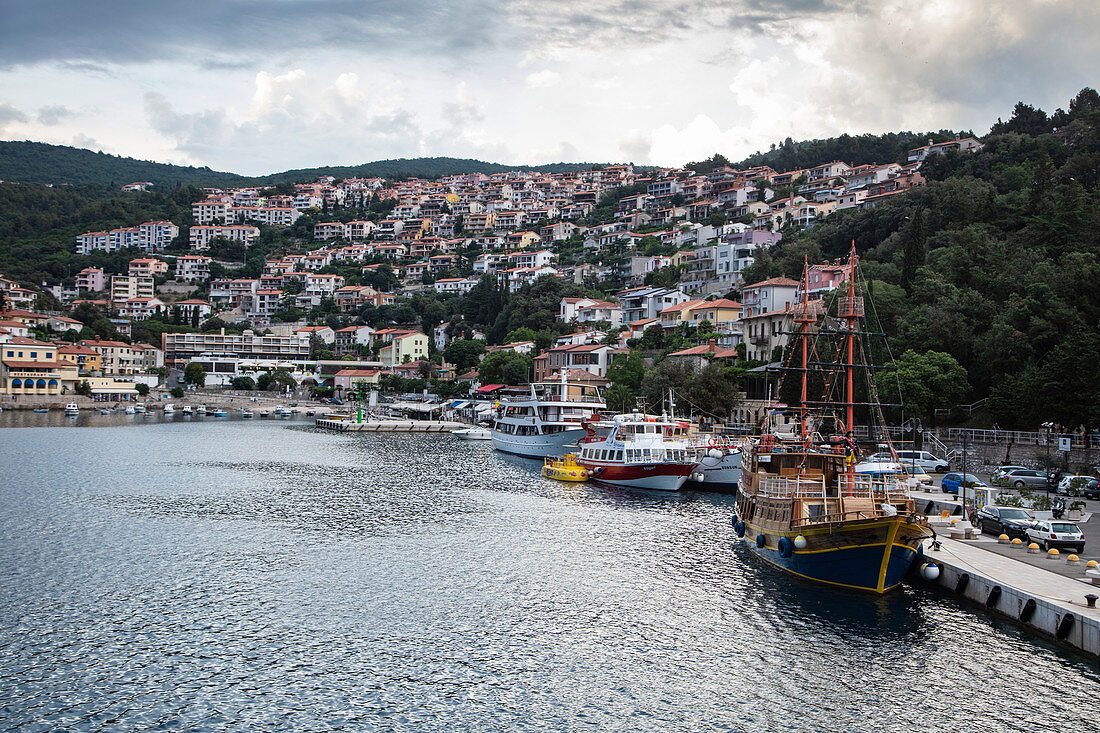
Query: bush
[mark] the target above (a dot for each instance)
(176, 392)
(142, 389)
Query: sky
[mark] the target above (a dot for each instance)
(258, 86)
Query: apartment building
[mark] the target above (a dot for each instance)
(192, 268)
(148, 267)
(179, 348)
(201, 236)
(127, 287)
(91, 279)
(32, 367)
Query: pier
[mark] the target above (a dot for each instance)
(347, 424)
(1048, 603)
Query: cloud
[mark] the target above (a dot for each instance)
(81, 140)
(9, 114)
(52, 114)
(543, 79)
(294, 118)
(125, 32)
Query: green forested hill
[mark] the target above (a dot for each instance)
(31, 162)
(890, 147)
(996, 262)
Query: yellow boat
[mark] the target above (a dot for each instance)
(565, 468)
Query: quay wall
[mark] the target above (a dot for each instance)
(1053, 616)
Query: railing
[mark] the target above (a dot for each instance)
(1014, 436)
(861, 487)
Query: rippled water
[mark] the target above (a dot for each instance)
(258, 575)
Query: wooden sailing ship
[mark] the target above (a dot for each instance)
(802, 507)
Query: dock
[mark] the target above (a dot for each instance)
(350, 425)
(1047, 603)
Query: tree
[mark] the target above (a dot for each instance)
(620, 398)
(464, 353)
(84, 388)
(243, 383)
(195, 374)
(929, 381)
(520, 334)
(176, 392)
(627, 371)
(915, 250)
(505, 367)
(142, 389)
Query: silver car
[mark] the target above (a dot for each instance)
(1020, 478)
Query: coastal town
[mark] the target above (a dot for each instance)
(657, 250)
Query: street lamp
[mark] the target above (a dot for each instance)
(1047, 428)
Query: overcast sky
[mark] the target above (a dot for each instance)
(256, 86)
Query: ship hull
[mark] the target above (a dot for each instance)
(717, 474)
(538, 446)
(654, 476)
(866, 555)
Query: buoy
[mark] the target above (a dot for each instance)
(800, 542)
(930, 571)
(714, 453)
(954, 522)
(1003, 539)
(1033, 548)
(697, 476)
(1052, 554)
(1073, 559)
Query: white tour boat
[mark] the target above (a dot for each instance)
(547, 421)
(638, 451)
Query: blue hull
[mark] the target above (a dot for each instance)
(858, 568)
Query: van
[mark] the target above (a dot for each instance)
(921, 458)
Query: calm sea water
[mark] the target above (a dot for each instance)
(263, 576)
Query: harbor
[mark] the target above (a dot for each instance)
(360, 591)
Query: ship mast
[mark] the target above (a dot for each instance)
(851, 310)
(806, 319)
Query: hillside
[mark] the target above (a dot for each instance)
(31, 162)
(890, 147)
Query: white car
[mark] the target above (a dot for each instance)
(1074, 485)
(1057, 534)
(922, 458)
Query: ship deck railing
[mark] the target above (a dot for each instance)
(803, 487)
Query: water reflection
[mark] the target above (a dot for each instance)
(231, 575)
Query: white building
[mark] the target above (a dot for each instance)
(201, 235)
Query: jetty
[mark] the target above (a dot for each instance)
(1059, 607)
(349, 424)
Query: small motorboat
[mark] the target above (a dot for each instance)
(472, 434)
(282, 411)
(217, 412)
(187, 409)
(200, 410)
(104, 411)
(565, 468)
(72, 409)
(169, 408)
(265, 413)
(246, 412)
(130, 410)
(41, 409)
(139, 409)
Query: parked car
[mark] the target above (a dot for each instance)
(951, 482)
(997, 477)
(921, 458)
(1021, 478)
(1079, 486)
(917, 473)
(1056, 534)
(1008, 520)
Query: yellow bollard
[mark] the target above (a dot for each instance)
(1002, 539)
(1033, 548)
(1052, 554)
(1017, 543)
(1092, 565)
(1073, 559)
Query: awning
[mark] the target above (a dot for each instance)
(489, 388)
(459, 404)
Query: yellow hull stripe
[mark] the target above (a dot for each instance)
(828, 582)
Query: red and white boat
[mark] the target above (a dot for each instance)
(638, 451)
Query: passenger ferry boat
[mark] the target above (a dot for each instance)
(802, 506)
(547, 421)
(638, 451)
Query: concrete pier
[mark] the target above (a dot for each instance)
(349, 425)
(1052, 605)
